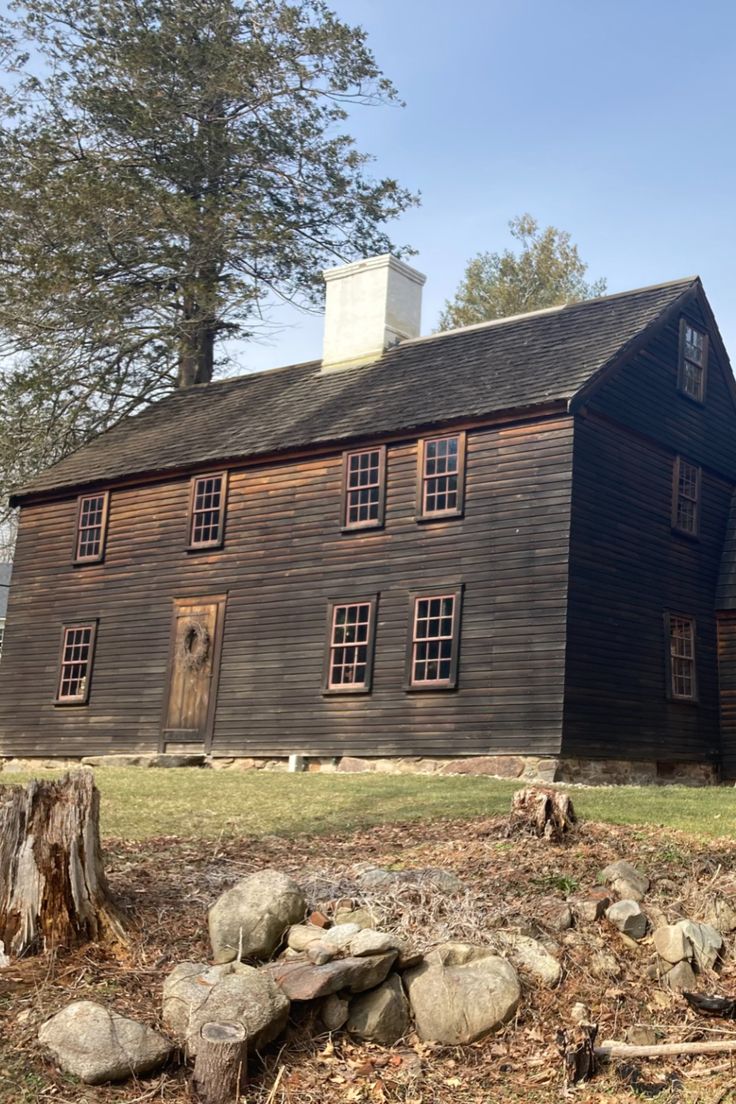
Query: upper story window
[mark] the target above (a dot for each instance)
(686, 481)
(434, 640)
(207, 511)
(441, 476)
(75, 667)
(350, 646)
(364, 488)
(89, 546)
(691, 377)
(681, 656)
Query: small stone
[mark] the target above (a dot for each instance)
(605, 966)
(368, 942)
(671, 944)
(553, 914)
(641, 1036)
(319, 953)
(334, 1012)
(382, 1015)
(529, 955)
(97, 1045)
(680, 976)
(250, 919)
(363, 917)
(589, 907)
(705, 941)
(340, 936)
(625, 880)
(301, 935)
(580, 1013)
(720, 915)
(408, 959)
(628, 918)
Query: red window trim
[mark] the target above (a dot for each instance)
(99, 556)
(692, 698)
(216, 542)
(692, 533)
(685, 322)
(455, 511)
(350, 688)
(373, 523)
(81, 699)
(440, 684)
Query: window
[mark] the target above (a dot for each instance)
(351, 630)
(680, 631)
(364, 488)
(441, 476)
(434, 640)
(686, 497)
(207, 512)
(693, 361)
(91, 526)
(75, 668)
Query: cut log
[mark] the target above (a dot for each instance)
(219, 1068)
(659, 1050)
(53, 889)
(542, 812)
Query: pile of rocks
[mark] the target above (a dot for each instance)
(274, 955)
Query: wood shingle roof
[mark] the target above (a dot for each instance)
(514, 364)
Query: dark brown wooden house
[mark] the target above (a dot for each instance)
(501, 540)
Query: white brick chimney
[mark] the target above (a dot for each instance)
(369, 306)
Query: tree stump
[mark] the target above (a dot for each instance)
(538, 811)
(219, 1068)
(53, 889)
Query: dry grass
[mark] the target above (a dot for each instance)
(167, 884)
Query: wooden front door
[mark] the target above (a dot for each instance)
(194, 666)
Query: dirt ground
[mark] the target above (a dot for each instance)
(167, 884)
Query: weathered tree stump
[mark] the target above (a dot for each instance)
(542, 812)
(53, 890)
(219, 1068)
(577, 1048)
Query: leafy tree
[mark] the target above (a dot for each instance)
(545, 272)
(167, 167)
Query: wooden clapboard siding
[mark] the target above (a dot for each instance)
(284, 557)
(627, 567)
(727, 679)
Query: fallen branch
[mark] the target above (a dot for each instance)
(630, 1050)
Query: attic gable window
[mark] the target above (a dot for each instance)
(441, 476)
(207, 511)
(89, 546)
(693, 361)
(434, 641)
(680, 632)
(364, 488)
(75, 667)
(351, 632)
(686, 482)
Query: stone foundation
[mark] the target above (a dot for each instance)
(526, 768)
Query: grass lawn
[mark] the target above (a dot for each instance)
(193, 803)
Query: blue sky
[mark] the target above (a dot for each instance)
(613, 120)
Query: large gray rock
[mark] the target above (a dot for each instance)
(250, 919)
(671, 945)
(97, 1045)
(233, 993)
(461, 993)
(687, 941)
(529, 955)
(628, 882)
(382, 1015)
(628, 918)
(302, 981)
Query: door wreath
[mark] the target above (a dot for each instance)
(194, 645)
